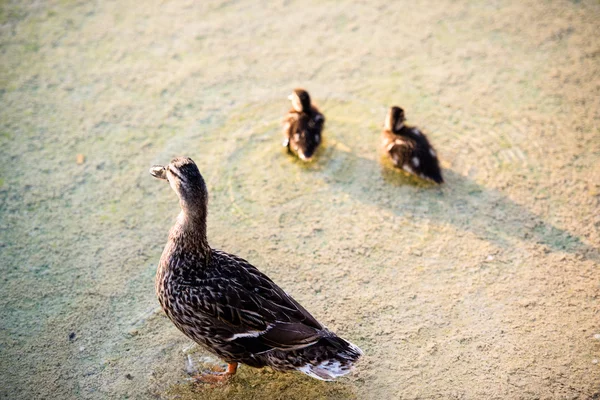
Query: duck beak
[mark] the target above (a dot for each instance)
(158, 171)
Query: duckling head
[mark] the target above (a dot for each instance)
(185, 179)
(394, 121)
(300, 100)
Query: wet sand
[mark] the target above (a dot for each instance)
(484, 288)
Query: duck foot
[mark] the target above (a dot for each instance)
(216, 376)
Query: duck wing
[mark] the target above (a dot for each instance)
(304, 123)
(317, 120)
(289, 123)
(247, 308)
(424, 158)
(399, 148)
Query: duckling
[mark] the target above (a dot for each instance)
(228, 306)
(302, 126)
(409, 148)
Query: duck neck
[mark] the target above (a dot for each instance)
(191, 227)
(393, 124)
(389, 123)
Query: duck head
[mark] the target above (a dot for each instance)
(300, 100)
(185, 179)
(394, 121)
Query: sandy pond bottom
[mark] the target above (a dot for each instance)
(484, 288)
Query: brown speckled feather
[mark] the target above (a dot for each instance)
(231, 308)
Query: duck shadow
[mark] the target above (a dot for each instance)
(257, 384)
(460, 202)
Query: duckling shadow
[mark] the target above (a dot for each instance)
(459, 202)
(257, 384)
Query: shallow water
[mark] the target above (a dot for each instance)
(485, 287)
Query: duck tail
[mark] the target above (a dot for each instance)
(437, 177)
(330, 358)
(434, 173)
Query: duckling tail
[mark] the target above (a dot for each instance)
(330, 358)
(437, 177)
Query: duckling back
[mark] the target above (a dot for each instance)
(303, 131)
(410, 150)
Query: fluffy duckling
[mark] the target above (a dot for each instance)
(302, 125)
(409, 148)
(228, 306)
